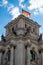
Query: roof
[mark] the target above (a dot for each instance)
(19, 17)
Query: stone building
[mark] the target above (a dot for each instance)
(23, 44)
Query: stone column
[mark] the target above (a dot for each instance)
(42, 56)
(0, 56)
(5, 60)
(20, 54)
(28, 55)
(11, 55)
(14, 54)
(40, 59)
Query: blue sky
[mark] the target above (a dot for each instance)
(10, 9)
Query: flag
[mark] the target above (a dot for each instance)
(25, 13)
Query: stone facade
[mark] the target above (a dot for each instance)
(23, 44)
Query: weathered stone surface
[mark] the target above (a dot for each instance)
(21, 42)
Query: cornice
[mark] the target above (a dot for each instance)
(13, 22)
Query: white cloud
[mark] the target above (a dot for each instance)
(42, 37)
(41, 9)
(3, 3)
(21, 5)
(14, 12)
(35, 13)
(10, 7)
(21, 1)
(0, 37)
(36, 5)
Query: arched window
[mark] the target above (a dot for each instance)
(8, 55)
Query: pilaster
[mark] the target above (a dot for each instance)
(28, 52)
(41, 56)
(11, 55)
(0, 55)
(20, 53)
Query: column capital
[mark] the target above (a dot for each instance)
(12, 43)
(28, 43)
(40, 50)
